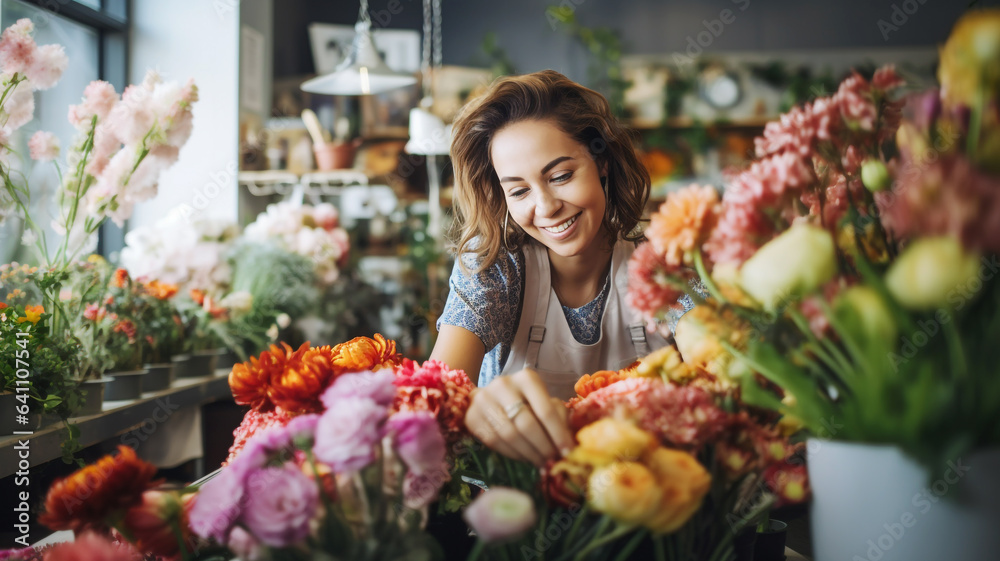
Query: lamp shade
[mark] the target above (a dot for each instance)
(362, 72)
(428, 134)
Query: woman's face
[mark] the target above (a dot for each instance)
(552, 185)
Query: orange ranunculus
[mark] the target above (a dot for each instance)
(160, 290)
(684, 482)
(92, 497)
(362, 353)
(611, 440)
(251, 380)
(120, 278)
(564, 483)
(602, 378)
(32, 314)
(307, 372)
(625, 491)
(150, 523)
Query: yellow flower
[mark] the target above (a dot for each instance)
(699, 335)
(32, 314)
(667, 362)
(933, 273)
(95, 259)
(970, 59)
(625, 491)
(611, 440)
(684, 482)
(796, 262)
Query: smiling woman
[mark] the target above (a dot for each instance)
(549, 193)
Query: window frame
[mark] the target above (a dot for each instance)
(112, 23)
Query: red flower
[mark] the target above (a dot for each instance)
(253, 422)
(120, 278)
(92, 497)
(435, 388)
(2, 305)
(89, 546)
(150, 523)
(127, 327)
(790, 482)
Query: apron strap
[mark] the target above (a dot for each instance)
(533, 257)
(637, 331)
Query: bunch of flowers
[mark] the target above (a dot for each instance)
(160, 320)
(124, 502)
(868, 222)
(310, 231)
(342, 449)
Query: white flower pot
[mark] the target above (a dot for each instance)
(873, 503)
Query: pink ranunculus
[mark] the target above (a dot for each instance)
(376, 386)
(19, 106)
(347, 434)
(17, 48)
(218, 505)
(47, 66)
(501, 514)
(281, 503)
(420, 490)
(43, 146)
(418, 440)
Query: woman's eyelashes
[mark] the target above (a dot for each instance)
(518, 192)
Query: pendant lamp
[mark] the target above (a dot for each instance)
(362, 72)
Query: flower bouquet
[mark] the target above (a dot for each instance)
(853, 266)
(668, 465)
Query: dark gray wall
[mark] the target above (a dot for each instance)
(647, 26)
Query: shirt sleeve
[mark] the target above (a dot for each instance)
(486, 303)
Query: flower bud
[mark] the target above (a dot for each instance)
(930, 270)
(861, 308)
(501, 514)
(875, 175)
(798, 261)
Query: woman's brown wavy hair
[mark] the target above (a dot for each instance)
(581, 113)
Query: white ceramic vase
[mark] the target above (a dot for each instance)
(874, 503)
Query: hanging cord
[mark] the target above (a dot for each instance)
(363, 14)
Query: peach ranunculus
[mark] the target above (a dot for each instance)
(363, 353)
(684, 482)
(92, 497)
(600, 379)
(626, 491)
(683, 223)
(610, 440)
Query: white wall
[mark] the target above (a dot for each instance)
(197, 39)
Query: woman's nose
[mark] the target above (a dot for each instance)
(546, 204)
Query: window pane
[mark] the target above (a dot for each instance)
(95, 4)
(51, 107)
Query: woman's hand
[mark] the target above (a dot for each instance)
(515, 416)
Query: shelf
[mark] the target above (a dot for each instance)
(117, 418)
(688, 122)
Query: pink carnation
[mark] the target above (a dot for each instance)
(47, 66)
(346, 436)
(17, 48)
(648, 293)
(280, 505)
(418, 441)
(43, 146)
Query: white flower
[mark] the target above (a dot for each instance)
(240, 301)
(283, 320)
(272, 332)
(29, 238)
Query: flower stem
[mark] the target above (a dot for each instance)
(699, 265)
(618, 532)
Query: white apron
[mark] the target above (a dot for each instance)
(545, 343)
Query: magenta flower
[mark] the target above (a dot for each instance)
(346, 434)
(418, 440)
(501, 514)
(376, 386)
(218, 505)
(281, 502)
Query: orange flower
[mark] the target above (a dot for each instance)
(683, 223)
(250, 380)
(198, 296)
(361, 353)
(600, 379)
(685, 483)
(307, 372)
(564, 483)
(149, 523)
(160, 290)
(32, 314)
(120, 278)
(92, 497)
(2, 305)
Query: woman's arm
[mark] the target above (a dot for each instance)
(460, 349)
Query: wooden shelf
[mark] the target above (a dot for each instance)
(117, 418)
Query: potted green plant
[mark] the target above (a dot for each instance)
(162, 334)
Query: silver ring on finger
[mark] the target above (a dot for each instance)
(513, 409)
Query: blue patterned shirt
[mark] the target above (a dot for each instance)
(489, 305)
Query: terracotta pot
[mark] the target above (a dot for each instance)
(335, 155)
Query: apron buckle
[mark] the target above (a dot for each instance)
(536, 334)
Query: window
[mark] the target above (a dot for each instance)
(94, 34)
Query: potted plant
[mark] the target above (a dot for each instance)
(851, 278)
(162, 334)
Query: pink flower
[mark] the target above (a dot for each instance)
(17, 48)
(856, 105)
(418, 440)
(886, 78)
(133, 117)
(91, 547)
(218, 505)
(105, 145)
(19, 106)
(43, 146)
(244, 545)
(326, 216)
(99, 98)
(47, 66)
(280, 504)
(346, 435)
(648, 291)
(376, 386)
(420, 490)
(501, 514)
